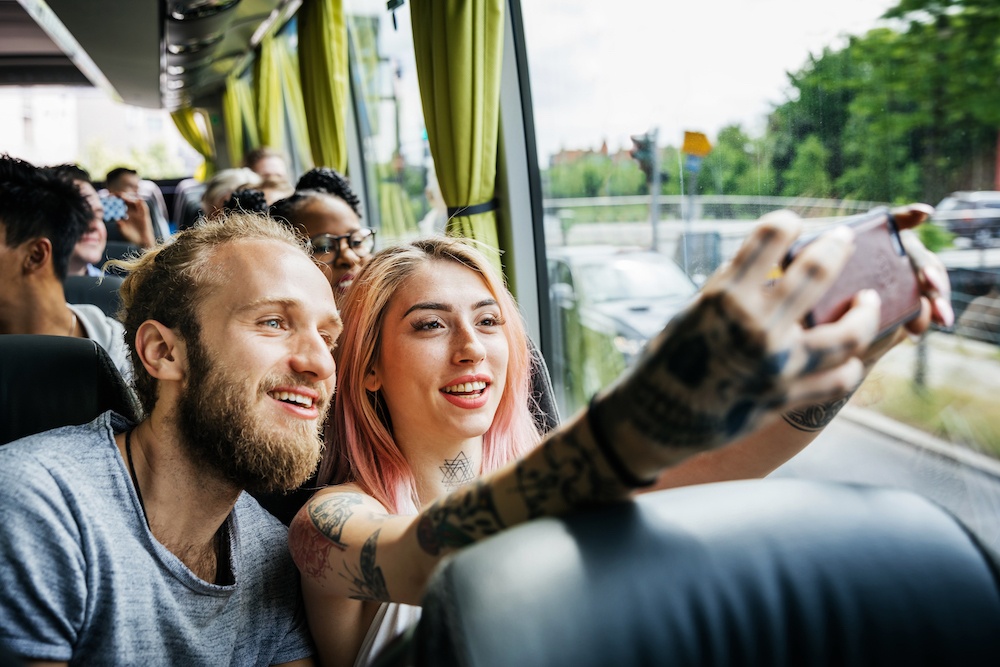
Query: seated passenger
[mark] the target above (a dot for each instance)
(267, 163)
(437, 448)
(134, 543)
(222, 185)
(328, 212)
(142, 225)
(89, 253)
(42, 217)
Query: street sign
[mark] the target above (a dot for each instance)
(696, 143)
(692, 163)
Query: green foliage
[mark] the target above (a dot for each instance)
(807, 176)
(153, 163)
(934, 237)
(596, 175)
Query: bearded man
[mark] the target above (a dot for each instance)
(137, 543)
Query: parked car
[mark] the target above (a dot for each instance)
(971, 215)
(609, 302)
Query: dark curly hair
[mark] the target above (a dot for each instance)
(41, 203)
(248, 200)
(331, 182)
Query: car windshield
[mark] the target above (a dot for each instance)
(642, 278)
(948, 204)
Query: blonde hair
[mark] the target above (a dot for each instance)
(361, 446)
(166, 282)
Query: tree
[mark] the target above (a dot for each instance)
(807, 176)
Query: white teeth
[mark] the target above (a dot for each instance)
(465, 388)
(293, 398)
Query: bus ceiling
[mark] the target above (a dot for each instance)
(143, 52)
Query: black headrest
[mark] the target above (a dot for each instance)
(99, 291)
(119, 249)
(52, 381)
(770, 572)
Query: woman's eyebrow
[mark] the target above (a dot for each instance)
(428, 305)
(434, 305)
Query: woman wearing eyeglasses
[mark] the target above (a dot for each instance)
(325, 208)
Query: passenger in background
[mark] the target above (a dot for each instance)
(437, 447)
(272, 167)
(326, 210)
(122, 181)
(136, 227)
(134, 543)
(42, 216)
(268, 163)
(221, 186)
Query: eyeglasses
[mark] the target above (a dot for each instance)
(360, 243)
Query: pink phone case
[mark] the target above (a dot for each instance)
(879, 262)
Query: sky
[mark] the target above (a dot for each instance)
(605, 69)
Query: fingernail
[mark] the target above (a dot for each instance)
(936, 280)
(843, 233)
(943, 306)
(871, 296)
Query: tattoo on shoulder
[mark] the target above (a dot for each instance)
(815, 417)
(459, 519)
(331, 513)
(367, 581)
(456, 472)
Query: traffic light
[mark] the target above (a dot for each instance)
(642, 152)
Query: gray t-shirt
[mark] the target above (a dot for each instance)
(83, 580)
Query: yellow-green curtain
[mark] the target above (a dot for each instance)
(238, 112)
(199, 136)
(291, 95)
(324, 76)
(459, 50)
(270, 112)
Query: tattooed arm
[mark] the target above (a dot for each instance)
(762, 451)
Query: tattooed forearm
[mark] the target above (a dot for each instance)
(459, 519)
(815, 417)
(686, 394)
(456, 472)
(367, 581)
(330, 514)
(567, 474)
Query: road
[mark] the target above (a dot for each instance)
(866, 448)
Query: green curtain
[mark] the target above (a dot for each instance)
(459, 51)
(270, 113)
(238, 112)
(324, 78)
(199, 136)
(291, 95)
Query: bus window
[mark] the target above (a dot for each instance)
(398, 167)
(665, 131)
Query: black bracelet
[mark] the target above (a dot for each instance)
(625, 476)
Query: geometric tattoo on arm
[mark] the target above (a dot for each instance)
(459, 519)
(815, 417)
(367, 582)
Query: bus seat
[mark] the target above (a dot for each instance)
(120, 249)
(766, 572)
(187, 202)
(99, 291)
(52, 381)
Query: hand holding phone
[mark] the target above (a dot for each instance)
(114, 208)
(879, 262)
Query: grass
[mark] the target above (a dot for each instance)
(960, 416)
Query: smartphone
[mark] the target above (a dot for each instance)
(114, 208)
(879, 262)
